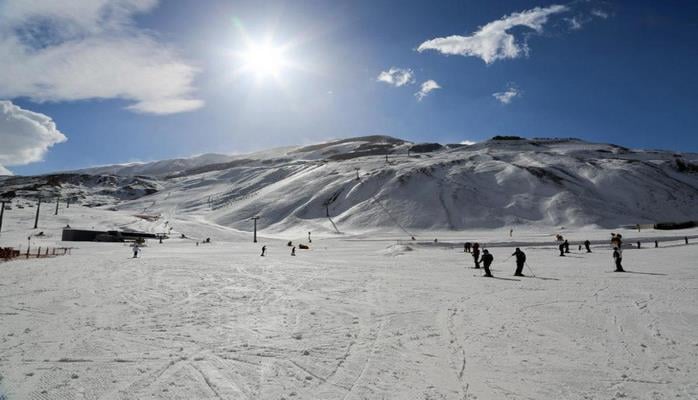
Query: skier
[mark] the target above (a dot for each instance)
(686, 239)
(309, 240)
(520, 261)
(293, 251)
(476, 254)
(511, 232)
(264, 250)
(587, 243)
(618, 258)
(616, 240)
(487, 259)
(561, 247)
(468, 247)
(567, 246)
(136, 249)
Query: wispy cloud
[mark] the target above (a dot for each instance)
(508, 95)
(426, 88)
(600, 13)
(91, 49)
(25, 135)
(397, 76)
(494, 41)
(575, 23)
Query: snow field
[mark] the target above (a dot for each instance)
(355, 317)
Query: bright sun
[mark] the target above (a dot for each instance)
(264, 60)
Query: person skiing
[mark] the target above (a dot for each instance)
(561, 247)
(567, 246)
(293, 251)
(476, 254)
(511, 232)
(468, 246)
(520, 261)
(587, 245)
(136, 249)
(618, 258)
(617, 240)
(264, 250)
(487, 259)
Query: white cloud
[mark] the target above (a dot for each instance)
(575, 23)
(426, 87)
(600, 13)
(493, 41)
(508, 95)
(467, 142)
(25, 135)
(397, 76)
(90, 49)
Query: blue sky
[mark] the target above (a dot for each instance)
(134, 80)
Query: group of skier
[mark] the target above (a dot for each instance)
(487, 258)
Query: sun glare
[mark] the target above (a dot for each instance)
(264, 60)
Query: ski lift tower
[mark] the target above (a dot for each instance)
(2, 210)
(255, 218)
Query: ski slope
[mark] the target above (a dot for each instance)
(348, 187)
(354, 317)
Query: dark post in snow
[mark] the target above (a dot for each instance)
(255, 218)
(2, 211)
(36, 219)
(57, 200)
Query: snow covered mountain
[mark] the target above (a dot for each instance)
(157, 168)
(383, 183)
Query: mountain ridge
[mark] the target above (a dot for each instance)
(379, 182)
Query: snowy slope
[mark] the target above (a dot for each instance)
(497, 183)
(157, 168)
(346, 319)
(491, 184)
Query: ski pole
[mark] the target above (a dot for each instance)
(529, 268)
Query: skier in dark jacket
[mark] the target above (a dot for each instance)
(487, 259)
(520, 261)
(476, 254)
(293, 251)
(264, 250)
(561, 247)
(587, 243)
(567, 246)
(618, 258)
